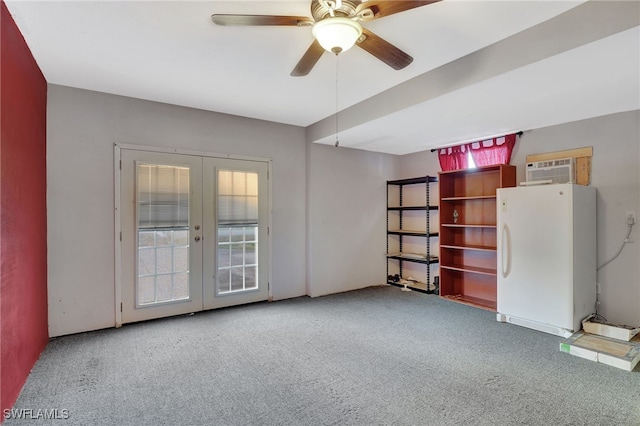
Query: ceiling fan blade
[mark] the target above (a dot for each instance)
(383, 50)
(308, 60)
(293, 21)
(382, 8)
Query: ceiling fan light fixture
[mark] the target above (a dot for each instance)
(337, 34)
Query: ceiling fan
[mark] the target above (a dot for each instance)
(336, 27)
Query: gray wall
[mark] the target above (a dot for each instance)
(616, 175)
(82, 127)
(346, 218)
(328, 203)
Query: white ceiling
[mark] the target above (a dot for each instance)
(480, 68)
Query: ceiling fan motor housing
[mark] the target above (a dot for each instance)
(347, 9)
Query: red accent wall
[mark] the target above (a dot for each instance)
(23, 224)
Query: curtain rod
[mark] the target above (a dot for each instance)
(477, 140)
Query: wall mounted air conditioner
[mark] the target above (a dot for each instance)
(552, 171)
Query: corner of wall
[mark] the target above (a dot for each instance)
(307, 209)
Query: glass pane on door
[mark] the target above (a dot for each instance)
(163, 234)
(237, 231)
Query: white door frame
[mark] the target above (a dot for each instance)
(117, 164)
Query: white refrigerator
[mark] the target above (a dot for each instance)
(546, 250)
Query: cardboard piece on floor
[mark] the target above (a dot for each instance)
(605, 350)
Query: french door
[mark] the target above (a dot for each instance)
(194, 233)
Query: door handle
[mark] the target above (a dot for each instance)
(197, 238)
(505, 239)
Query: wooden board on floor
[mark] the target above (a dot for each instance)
(616, 353)
(620, 332)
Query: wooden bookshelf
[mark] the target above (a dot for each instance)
(468, 233)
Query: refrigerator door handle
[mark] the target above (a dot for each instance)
(505, 238)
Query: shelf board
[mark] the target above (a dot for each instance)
(468, 247)
(490, 305)
(479, 169)
(465, 225)
(477, 197)
(411, 233)
(419, 286)
(413, 181)
(413, 257)
(475, 270)
(420, 208)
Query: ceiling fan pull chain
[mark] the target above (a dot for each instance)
(337, 91)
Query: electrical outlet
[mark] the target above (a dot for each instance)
(631, 217)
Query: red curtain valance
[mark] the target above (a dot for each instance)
(484, 153)
(453, 157)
